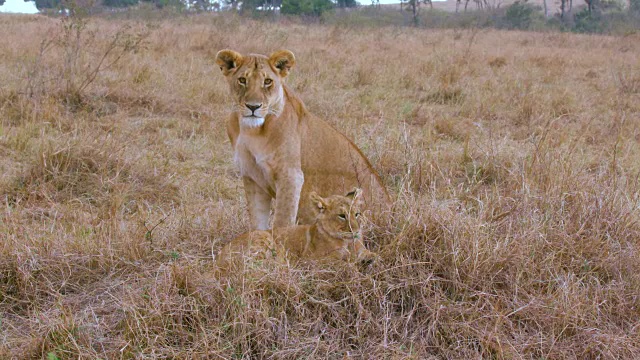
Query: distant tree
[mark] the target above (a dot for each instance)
(232, 3)
(414, 7)
(586, 21)
(346, 3)
(249, 6)
(591, 4)
(47, 4)
(199, 5)
(119, 3)
(204, 5)
(566, 7)
(178, 4)
(480, 4)
(306, 7)
(263, 5)
(519, 15)
(634, 6)
(271, 4)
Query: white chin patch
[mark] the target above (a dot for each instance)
(252, 122)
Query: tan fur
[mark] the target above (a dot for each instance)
(333, 235)
(283, 152)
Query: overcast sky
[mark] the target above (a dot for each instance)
(19, 6)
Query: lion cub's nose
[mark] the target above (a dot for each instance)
(253, 107)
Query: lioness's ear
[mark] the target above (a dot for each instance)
(318, 202)
(228, 60)
(282, 61)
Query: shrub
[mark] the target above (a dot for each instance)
(588, 22)
(306, 7)
(519, 15)
(161, 4)
(119, 3)
(47, 4)
(82, 59)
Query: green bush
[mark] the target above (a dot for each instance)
(119, 3)
(519, 15)
(346, 3)
(47, 4)
(306, 7)
(161, 4)
(588, 22)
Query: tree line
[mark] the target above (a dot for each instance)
(294, 7)
(597, 16)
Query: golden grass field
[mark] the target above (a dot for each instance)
(513, 158)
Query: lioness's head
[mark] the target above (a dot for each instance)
(256, 83)
(339, 215)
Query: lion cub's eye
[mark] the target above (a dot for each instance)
(268, 82)
(357, 215)
(342, 217)
(242, 81)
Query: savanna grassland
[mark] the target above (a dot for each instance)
(513, 159)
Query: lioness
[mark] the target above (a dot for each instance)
(334, 235)
(283, 151)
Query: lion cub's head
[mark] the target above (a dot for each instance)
(256, 83)
(339, 216)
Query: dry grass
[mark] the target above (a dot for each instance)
(513, 157)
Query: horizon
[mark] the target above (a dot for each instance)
(29, 7)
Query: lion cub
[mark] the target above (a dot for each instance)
(333, 235)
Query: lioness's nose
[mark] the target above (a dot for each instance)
(253, 107)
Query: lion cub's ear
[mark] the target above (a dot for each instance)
(228, 60)
(354, 193)
(319, 203)
(282, 61)
(355, 196)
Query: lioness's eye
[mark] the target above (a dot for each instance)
(342, 216)
(268, 82)
(242, 80)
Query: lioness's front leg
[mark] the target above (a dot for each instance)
(259, 204)
(288, 187)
